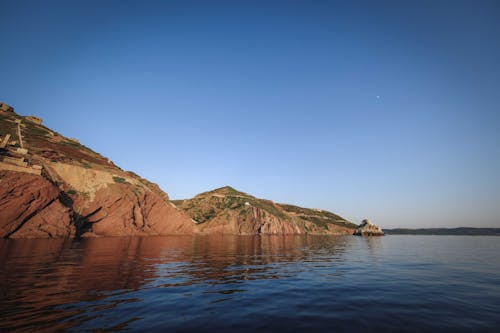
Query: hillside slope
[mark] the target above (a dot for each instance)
(52, 186)
(228, 211)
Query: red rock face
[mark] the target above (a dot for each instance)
(30, 207)
(265, 224)
(33, 207)
(54, 221)
(118, 211)
(255, 222)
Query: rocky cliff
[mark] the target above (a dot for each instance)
(228, 211)
(52, 186)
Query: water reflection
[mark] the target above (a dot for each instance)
(373, 245)
(264, 284)
(59, 284)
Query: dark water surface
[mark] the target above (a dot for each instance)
(265, 284)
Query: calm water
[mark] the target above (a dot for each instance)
(269, 284)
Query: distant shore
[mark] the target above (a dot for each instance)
(445, 231)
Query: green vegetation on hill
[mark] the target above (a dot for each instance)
(207, 205)
(226, 190)
(319, 217)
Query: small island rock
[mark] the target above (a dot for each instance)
(366, 228)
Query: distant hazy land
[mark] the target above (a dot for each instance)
(445, 231)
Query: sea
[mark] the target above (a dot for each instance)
(251, 284)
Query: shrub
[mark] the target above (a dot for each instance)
(119, 180)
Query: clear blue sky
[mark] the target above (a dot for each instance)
(381, 109)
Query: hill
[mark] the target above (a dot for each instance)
(228, 211)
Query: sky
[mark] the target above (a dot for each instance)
(388, 110)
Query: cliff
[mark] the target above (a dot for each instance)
(228, 211)
(52, 186)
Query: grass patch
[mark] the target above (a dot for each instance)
(201, 216)
(120, 180)
(35, 130)
(71, 144)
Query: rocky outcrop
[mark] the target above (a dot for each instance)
(33, 207)
(227, 211)
(366, 228)
(76, 192)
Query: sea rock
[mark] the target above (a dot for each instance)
(366, 228)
